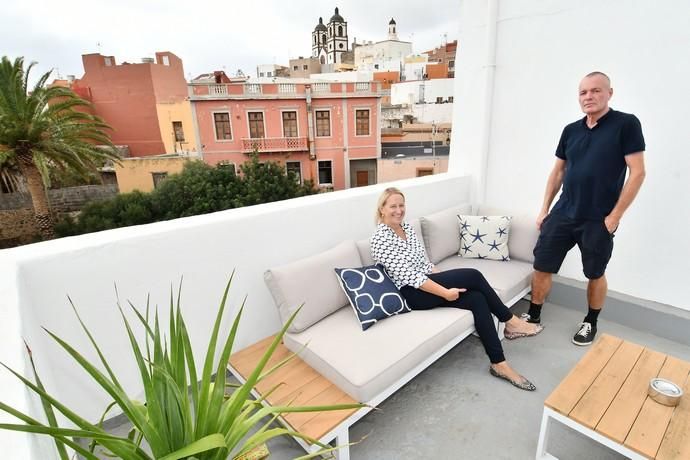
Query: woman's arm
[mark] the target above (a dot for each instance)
(433, 287)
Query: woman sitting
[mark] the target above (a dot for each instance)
(395, 246)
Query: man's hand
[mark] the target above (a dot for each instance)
(611, 221)
(453, 294)
(540, 218)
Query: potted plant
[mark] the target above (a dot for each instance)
(185, 415)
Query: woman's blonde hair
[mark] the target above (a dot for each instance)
(383, 198)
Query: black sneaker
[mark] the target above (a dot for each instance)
(529, 319)
(585, 336)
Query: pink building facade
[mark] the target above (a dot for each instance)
(328, 133)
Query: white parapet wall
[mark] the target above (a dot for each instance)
(517, 75)
(150, 260)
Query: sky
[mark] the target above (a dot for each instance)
(207, 35)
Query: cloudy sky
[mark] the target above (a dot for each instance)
(207, 35)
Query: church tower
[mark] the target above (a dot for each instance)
(337, 40)
(318, 42)
(392, 32)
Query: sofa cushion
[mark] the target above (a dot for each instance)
(484, 237)
(364, 246)
(507, 278)
(364, 364)
(372, 294)
(440, 231)
(310, 281)
(523, 233)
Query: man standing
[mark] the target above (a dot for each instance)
(592, 158)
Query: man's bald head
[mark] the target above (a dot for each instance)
(596, 73)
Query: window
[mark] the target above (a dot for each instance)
(158, 177)
(323, 123)
(450, 98)
(314, 39)
(305, 67)
(294, 167)
(166, 60)
(261, 74)
(325, 172)
(294, 67)
(108, 62)
(289, 124)
(177, 129)
(256, 125)
(341, 46)
(269, 74)
(340, 31)
(451, 64)
(421, 172)
(439, 100)
(222, 122)
(362, 122)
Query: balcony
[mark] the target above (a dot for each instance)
(274, 144)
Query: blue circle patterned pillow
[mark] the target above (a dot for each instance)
(372, 294)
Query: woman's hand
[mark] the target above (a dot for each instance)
(453, 294)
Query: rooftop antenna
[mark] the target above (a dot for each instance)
(98, 45)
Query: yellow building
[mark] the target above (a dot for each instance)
(145, 173)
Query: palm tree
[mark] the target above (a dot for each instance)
(36, 136)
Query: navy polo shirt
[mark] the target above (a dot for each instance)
(595, 164)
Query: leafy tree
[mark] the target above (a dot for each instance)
(266, 182)
(198, 189)
(36, 136)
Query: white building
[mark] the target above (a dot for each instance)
(427, 101)
(329, 42)
(271, 70)
(386, 55)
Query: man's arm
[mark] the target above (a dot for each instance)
(635, 162)
(553, 185)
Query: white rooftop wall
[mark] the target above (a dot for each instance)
(149, 259)
(409, 92)
(542, 51)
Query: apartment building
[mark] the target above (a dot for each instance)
(145, 102)
(326, 132)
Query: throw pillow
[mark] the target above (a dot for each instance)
(484, 237)
(372, 294)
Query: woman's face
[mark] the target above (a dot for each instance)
(393, 210)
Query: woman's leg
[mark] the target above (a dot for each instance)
(470, 300)
(483, 323)
(473, 280)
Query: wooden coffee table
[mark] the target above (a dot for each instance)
(605, 397)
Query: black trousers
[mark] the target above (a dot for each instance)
(480, 299)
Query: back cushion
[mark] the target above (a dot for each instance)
(523, 233)
(441, 234)
(311, 281)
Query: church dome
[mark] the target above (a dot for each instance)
(337, 17)
(320, 25)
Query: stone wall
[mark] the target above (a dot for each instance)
(17, 225)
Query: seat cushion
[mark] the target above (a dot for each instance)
(507, 278)
(311, 281)
(440, 231)
(364, 364)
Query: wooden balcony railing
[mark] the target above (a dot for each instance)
(274, 144)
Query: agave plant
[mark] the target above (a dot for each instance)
(183, 416)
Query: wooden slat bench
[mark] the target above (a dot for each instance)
(300, 385)
(605, 397)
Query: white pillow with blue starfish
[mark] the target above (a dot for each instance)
(484, 237)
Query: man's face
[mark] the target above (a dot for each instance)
(595, 92)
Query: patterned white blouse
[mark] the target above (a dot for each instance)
(405, 262)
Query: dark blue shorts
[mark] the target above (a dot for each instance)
(558, 236)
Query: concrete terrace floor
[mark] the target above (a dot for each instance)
(456, 410)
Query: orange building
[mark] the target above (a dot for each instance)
(145, 103)
(444, 54)
(327, 132)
